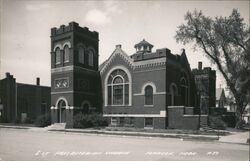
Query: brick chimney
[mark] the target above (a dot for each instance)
(200, 65)
(38, 81)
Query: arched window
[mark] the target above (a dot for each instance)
(91, 58)
(85, 107)
(173, 94)
(58, 56)
(149, 95)
(81, 55)
(184, 92)
(118, 88)
(66, 54)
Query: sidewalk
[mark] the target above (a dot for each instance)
(236, 137)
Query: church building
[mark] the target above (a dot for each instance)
(145, 89)
(138, 89)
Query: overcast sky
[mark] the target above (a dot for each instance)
(25, 29)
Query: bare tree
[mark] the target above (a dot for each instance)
(226, 42)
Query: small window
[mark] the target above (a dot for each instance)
(81, 55)
(148, 122)
(114, 121)
(122, 120)
(66, 54)
(131, 121)
(149, 95)
(58, 56)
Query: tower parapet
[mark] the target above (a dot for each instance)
(73, 26)
(205, 80)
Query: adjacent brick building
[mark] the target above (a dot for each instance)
(22, 101)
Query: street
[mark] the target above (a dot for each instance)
(28, 145)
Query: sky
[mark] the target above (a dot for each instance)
(25, 29)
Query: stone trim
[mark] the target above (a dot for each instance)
(150, 70)
(175, 106)
(156, 93)
(69, 68)
(72, 92)
(162, 114)
(190, 115)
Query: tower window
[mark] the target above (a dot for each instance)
(81, 55)
(149, 95)
(58, 56)
(66, 54)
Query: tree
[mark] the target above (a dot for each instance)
(226, 42)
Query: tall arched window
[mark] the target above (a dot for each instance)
(91, 58)
(118, 88)
(184, 92)
(66, 54)
(173, 94)
(149, 95)
(58, 56)
(81, 55)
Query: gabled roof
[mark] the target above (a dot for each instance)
(117, 51)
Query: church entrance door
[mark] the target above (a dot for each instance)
(62, 111)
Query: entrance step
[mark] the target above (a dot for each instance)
(56, 126)
(205, 127)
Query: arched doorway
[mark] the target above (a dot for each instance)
(61, 113)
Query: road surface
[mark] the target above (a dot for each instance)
(36, 145)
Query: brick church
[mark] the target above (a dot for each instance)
(134, 90)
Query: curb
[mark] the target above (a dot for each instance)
(234, 143)
(14, 127)
(180, 136)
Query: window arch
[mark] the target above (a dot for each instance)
(90, 58)
(81, 54)
(66, 54)
(148, 95)
(118, 88)
(85, 107)
(58, 55)
(184, 91)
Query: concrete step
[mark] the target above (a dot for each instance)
(56, 126)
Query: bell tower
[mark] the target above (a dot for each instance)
(75, 79)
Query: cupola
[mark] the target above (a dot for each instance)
(143, 47)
